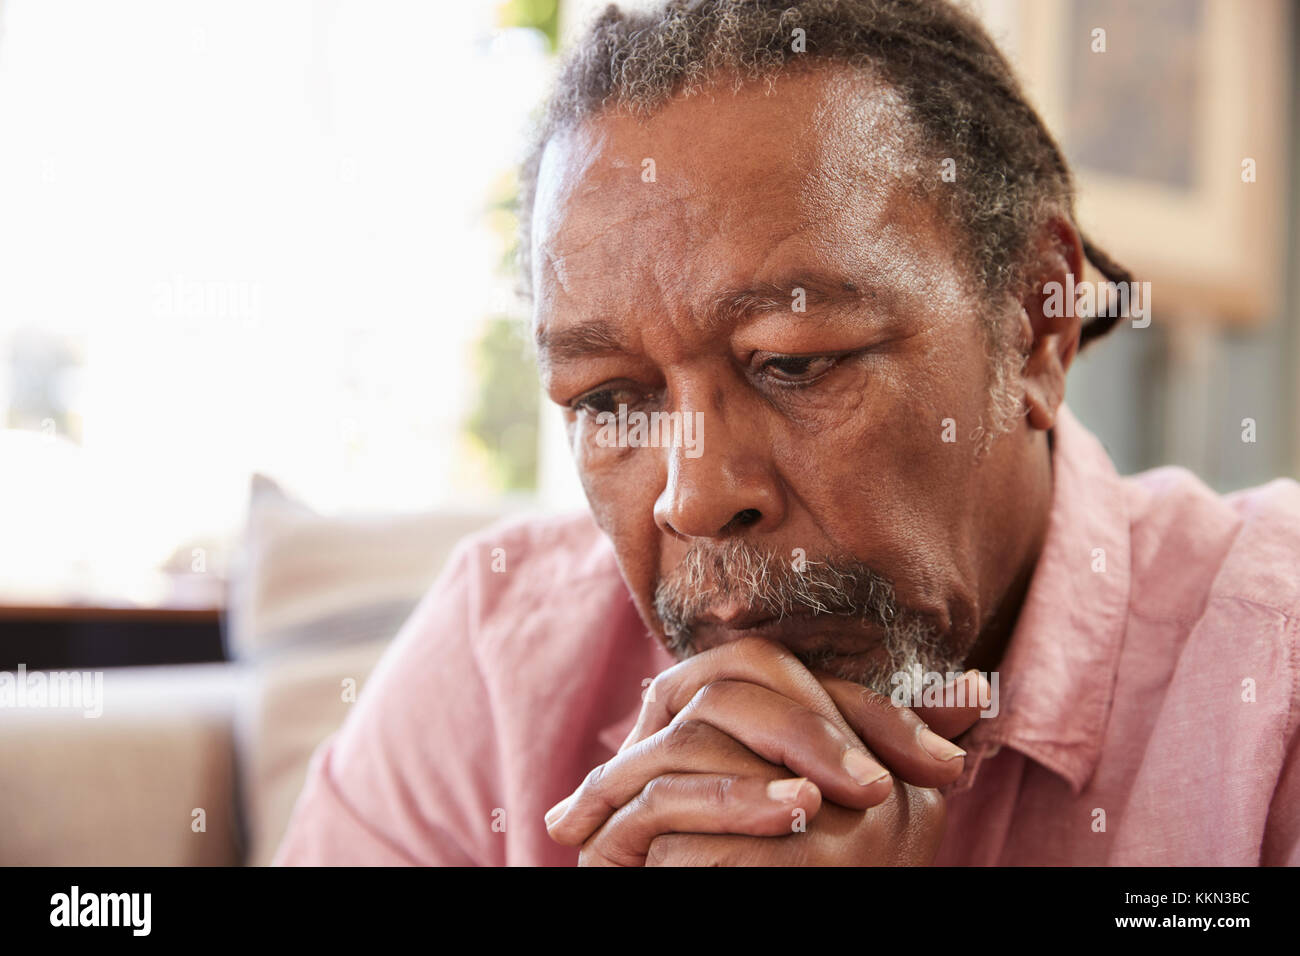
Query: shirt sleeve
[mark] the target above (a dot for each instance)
(327, 830)
(1282, 829)
(410, 776)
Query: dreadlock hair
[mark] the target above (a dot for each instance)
(957, 90)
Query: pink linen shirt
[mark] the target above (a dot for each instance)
(1148, 697)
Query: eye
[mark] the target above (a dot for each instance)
(607, 399)
(798, 369)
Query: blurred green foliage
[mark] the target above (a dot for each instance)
(540, 15)
(504, 419)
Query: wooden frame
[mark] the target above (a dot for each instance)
(1213, 245)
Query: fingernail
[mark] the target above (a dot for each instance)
(556, 812)
(862, 768)
(938, 748)
(785, 791)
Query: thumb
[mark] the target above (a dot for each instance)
(958, 705)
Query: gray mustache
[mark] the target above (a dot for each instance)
(769, 584)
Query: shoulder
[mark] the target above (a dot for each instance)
(532, 574)
(1192, 545)
(1263, 564)
(532, 538)
(512, 597)
(528, 554)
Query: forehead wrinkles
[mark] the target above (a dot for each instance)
(599, 219)
(877, 189)
(828, 167)
(710, 149)
(617, 254)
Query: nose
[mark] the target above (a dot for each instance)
(731, 486)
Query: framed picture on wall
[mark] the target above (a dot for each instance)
(1174, 115)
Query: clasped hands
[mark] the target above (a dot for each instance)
(741, 756)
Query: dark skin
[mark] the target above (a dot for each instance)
(822, 431)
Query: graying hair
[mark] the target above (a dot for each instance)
(958, 95)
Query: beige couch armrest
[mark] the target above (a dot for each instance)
(122, 788)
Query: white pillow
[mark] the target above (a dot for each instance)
(301, 579)
(313, 601)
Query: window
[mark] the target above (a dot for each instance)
(248, 237)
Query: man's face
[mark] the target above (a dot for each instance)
(823, 507)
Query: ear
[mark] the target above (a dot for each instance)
(1048, 309)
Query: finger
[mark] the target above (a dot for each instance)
(898, 736)
(721, 849)
(788, 734)
(959, 707)
(701, 803)
(906, 830)
(683, 747)
(752, 659)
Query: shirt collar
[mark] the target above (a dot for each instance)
(1057, 676)
(1056, 679)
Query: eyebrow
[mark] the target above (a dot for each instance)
(596, 337)
(763, 298)
(599, 337)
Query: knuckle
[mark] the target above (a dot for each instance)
(717, 792)
(605, 852)
(794, 670)
(871, 702)
(656, 791)
(659, 689)
(771, 657)
(758, 651)
(712, 695)
(662, 850)
(677, 849)
(593, 785)
(666, 688)
(869, 711)
(591, 854)
(684, 736)
(810, 725)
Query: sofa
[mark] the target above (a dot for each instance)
(200, 764)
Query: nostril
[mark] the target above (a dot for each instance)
(744, 519)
